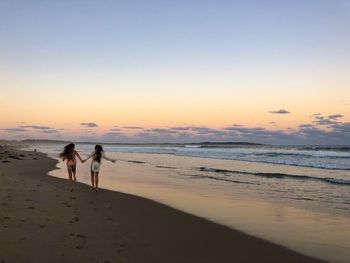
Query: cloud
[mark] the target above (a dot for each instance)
(281, 111)
(49, 131)
(113, 134)
(307, 133)
(305, 125)
(335, 116)
(342, 127)
(319, 119)
(15, 130)
(35, 127)
(161, 131)
(133, 127)
(322, 129)
(89, 124)
(180, 128)
(38, 128)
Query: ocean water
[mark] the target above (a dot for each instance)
(317, 174)
(328, 157)
(295, 196)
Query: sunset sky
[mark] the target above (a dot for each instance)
(176, 71)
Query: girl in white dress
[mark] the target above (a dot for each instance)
(97, 156)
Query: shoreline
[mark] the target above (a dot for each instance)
(40, 214)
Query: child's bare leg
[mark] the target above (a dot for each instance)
(70, 179)
(96, 180)
(74, 177)
(92, 180)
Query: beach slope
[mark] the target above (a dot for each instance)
(42, 221)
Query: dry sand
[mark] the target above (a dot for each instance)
(42, 221)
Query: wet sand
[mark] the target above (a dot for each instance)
(42, 221)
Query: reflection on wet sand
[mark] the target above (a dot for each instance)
(307, 228)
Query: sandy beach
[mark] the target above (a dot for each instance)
(42, 221)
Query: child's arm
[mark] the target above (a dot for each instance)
(108, 159)
(79, 157)
(87, 158)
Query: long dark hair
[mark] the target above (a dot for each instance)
(67, 152)
(98, 153)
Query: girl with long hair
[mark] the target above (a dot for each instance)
(97, 156)
(69, 153)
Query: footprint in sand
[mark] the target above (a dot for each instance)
(74, 220)
(121, 248)
(42, 226)
(31, 207)
(81, 236)
(29, 200)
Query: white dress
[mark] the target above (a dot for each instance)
(95, 165)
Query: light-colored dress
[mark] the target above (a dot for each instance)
(95, 165)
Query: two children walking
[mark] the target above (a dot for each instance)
(70, 155)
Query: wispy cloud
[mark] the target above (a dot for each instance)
(281, 111)
(49, 131)
(335, 116)
(35, 127)
(181, 128)
(306, 125)
(113, 134)
(133, 127)
(322, 129)
(89, 124)
(39, 128)
(319, 119)
(32, 129)
(15, 130)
